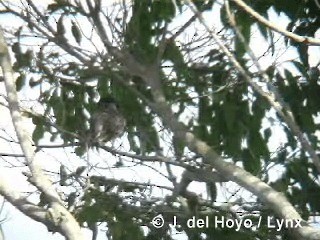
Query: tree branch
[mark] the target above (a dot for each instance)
(275, 99)
(272, 198)
(29, 209)
(261, 19)
(61, 218)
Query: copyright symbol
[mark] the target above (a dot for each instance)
(158, 221)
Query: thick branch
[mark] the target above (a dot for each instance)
(38, 178)
(66, 225)
(274, 98)
(29, 209)
(275, 200)
(272, 198)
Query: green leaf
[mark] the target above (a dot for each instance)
(178, 147)
(33, 82)
(60, 27)
(20, 82)
(244, 22)
(38, 133)
(212, 191)
(133, 144)
(16, 48)
(80, 170)
(163, 10)
(203, 5)
(76, 32)
(63, 175)
(257, 145)
(303, 53)
(264, 31)
(267, 133)
(80, 151)
(282, 156)
(251, 163)
(43, 200)
(229, 110)
(280, 185)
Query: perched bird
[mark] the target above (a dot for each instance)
(107, 122)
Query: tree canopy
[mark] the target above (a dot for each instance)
(206, 87)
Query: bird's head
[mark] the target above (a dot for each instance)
(108, 103)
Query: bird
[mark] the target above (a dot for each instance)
(107, 122)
